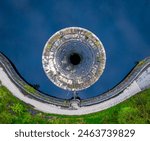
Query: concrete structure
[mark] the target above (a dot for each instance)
(137, 80)
(74, 58)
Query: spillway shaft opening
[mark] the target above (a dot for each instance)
(75, 59)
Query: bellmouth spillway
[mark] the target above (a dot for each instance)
(74, 58)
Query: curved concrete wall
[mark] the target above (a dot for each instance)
(137, 80)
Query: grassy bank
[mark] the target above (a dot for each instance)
(134, 110)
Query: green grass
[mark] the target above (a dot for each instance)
(133, 110)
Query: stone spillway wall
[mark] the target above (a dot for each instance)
(25, 88)
(137, 72)
(137, 80)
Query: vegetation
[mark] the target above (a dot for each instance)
(134, 110)
(29, 89)
(140, 63)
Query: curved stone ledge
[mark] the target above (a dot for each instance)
(132, 76)
(22, 85)
(138, 79)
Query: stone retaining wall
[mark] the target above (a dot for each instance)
(27, 90)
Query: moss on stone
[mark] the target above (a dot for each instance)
(29, 89)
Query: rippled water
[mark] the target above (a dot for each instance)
(122, 26)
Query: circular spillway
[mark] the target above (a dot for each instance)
(74, 58)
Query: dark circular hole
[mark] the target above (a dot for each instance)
(75, 59)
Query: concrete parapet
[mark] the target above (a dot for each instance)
(138, 79)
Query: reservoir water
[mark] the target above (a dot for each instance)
(122, 26)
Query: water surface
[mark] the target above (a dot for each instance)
(122, 26)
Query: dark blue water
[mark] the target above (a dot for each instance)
(122, 26)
